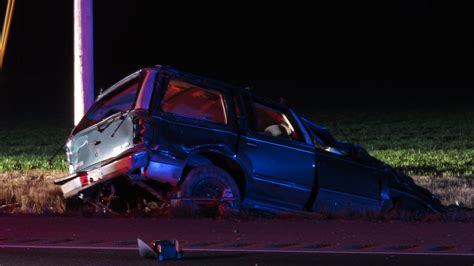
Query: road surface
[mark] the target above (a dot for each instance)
(9, 256)
(43, 240)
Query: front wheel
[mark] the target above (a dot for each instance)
(207, 190)
(407, 208)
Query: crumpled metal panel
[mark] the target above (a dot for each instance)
(93, 145)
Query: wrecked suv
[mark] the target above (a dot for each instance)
(205, 144)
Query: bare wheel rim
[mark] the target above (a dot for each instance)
(104, 197)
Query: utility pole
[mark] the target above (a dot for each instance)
(83, 58)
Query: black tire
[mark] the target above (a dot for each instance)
(207, 190)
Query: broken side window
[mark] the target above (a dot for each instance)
(271, 122)
(191, 101)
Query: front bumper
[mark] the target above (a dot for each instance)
(71, 185)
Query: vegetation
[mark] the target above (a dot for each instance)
(29, 145)
(34, 192)
(436, 147)
(31, 192)
(418, 142)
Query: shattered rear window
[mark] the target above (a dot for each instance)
(121, 99)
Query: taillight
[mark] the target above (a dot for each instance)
(138, 130)
(178, 246)
(89, 177)
(84, 179)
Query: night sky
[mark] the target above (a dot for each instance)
(332, 54)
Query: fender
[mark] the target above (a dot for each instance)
(167, 168)
(396, 193)
(223, 158)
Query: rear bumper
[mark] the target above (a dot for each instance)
(71, 185)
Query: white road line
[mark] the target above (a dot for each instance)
(65, 247)
(331, 252)
(291, 251)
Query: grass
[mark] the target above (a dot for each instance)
(434, 146)
(31, 192)
(450, 190)
(28, 146)
(418, 142)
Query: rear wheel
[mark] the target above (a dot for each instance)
(207, 190)
(107, 200)
(113, 197)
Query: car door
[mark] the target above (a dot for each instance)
(190, 116)
(275, 148)
(344, 183)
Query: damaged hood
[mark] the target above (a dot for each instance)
(325, 140)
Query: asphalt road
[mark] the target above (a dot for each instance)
(14, 256)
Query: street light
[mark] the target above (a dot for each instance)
(6, 29)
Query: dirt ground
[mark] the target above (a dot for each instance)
(33, 192)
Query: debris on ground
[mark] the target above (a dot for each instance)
(161, 250)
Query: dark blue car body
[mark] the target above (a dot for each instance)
(289, 165)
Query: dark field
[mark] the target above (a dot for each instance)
(418, 142)
(434, 146)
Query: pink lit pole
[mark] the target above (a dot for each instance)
(83, 58)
